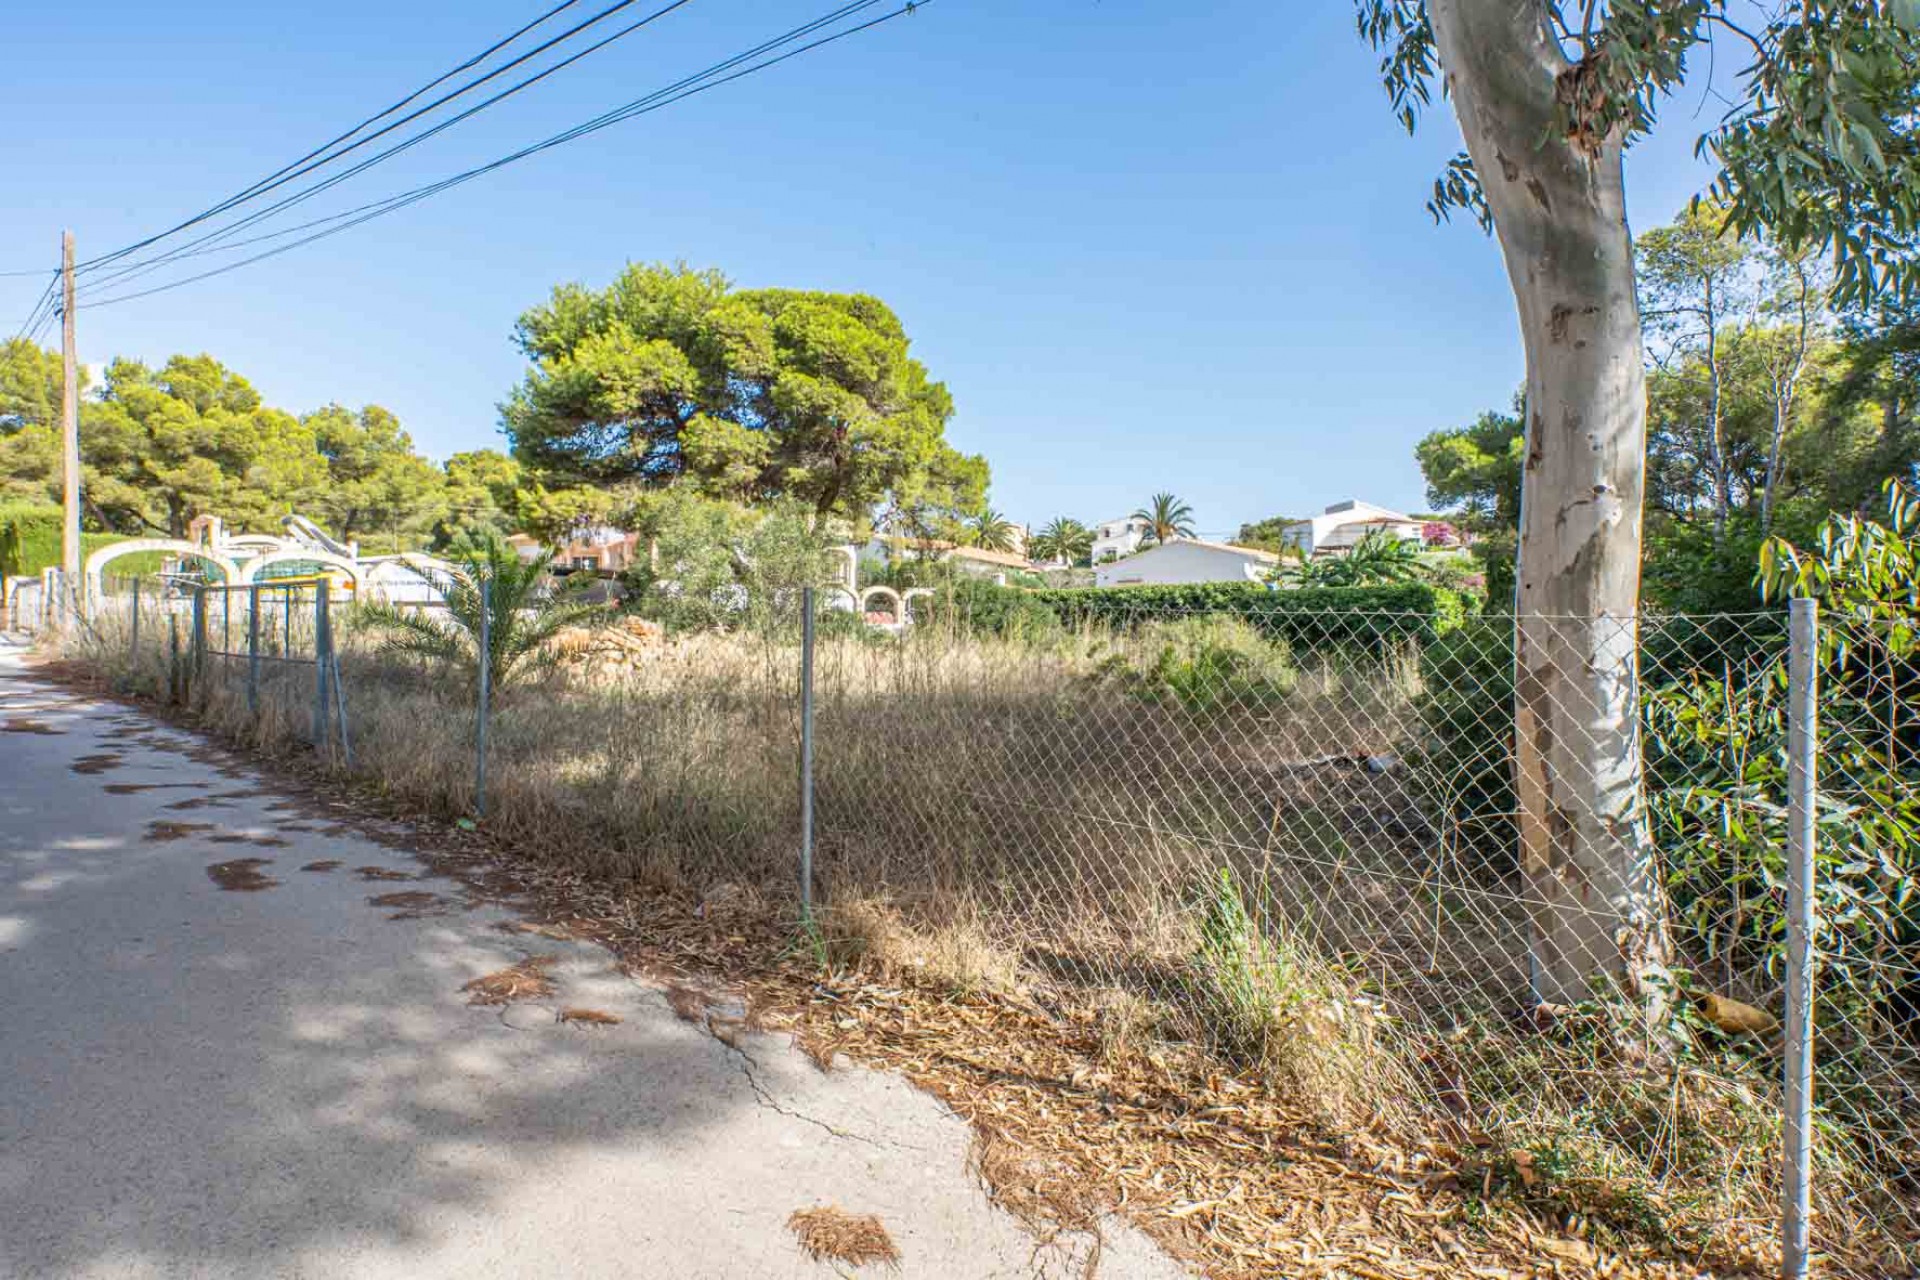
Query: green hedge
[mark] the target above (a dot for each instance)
(1307, 618)
(30, 541)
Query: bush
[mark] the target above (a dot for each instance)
(30, 539)
(1306, 619)
(1466, 760)
(1204, 663)
(976, 607)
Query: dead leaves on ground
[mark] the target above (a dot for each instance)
(242, 875)
(26, 724)
(829, 1233)
(527, 980)
(160, 831)
(589, 1018)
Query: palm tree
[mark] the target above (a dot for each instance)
(1166, 518)
(522, 614)
(1064, 538)
(1380, 558)
(990, 531)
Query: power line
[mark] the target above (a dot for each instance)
(30, 327)
(680, 90)
(211, 240)
(309, 192)
(309, 162)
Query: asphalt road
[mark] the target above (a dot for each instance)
(207, 1081)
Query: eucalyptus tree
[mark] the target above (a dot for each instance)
(1816, 151)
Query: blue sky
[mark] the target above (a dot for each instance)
(1148, 246)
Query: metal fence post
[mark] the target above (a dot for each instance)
(486, 693)
(197, 663)
(1797, 1069)
(806, 755)
(320, 668)
(253, 649)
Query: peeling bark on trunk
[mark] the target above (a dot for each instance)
(1559, 209)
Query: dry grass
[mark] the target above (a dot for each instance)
(829, 1233)
(527, 980)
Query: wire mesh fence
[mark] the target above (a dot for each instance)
(1517, 886)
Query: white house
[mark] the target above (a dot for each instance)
(1341, 525)
(1186, 560)
(1117, 539)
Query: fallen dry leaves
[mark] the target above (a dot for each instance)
(827, 1232)
(527, 980)
(242, 875)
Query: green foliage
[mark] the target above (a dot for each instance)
(1465, 758)
(482, 497)
(725, 566)
(1266, 535)
(1307, 619)
(752, 394)
(975, 606)
(30, 540)
(1203, 664)
(1379, 559)
(1473, 472)
(1064, 538)
(989, 530)
(1817, 151)
(521, 608)
(376, 484)
(1166, 518)
(162, 446)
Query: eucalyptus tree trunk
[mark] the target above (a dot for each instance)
(1558, 202)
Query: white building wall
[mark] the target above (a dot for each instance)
(1180, 563)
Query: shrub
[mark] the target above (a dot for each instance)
(30, 539)
(1213, 662)
(1465, 760)
(1307, 619)
(974, 606)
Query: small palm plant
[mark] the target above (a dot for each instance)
(1379, 559)
(522, 614)
(1166, 518)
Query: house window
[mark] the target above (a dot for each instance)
(586, 562)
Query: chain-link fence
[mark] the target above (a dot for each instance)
(1518, 887)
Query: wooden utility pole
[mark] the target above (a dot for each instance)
(69, 432)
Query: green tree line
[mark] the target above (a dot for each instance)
(668, 377)
(1767, 412)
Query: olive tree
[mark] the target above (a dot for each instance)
(1818, 150)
